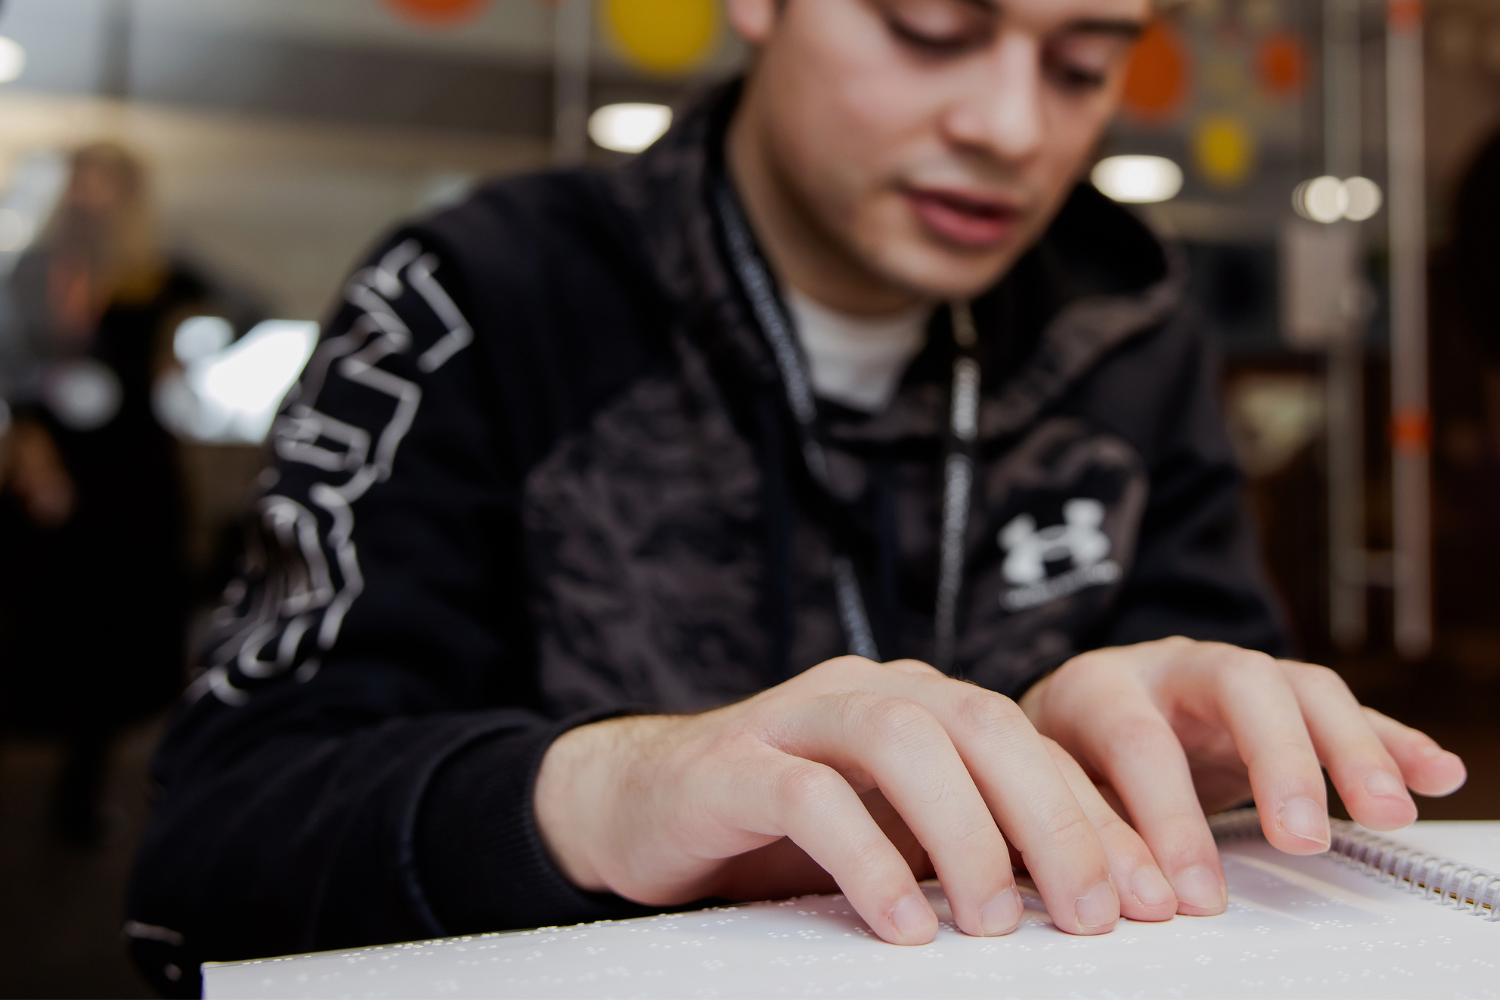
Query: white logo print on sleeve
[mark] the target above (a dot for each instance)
(294, 617)
(1078, 541)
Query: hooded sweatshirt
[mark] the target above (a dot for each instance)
(541, 470)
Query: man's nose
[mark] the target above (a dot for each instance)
(1002, 115)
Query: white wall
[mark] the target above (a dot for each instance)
(283, 209)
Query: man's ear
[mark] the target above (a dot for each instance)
(754, 20)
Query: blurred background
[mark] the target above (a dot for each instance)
(183, 184)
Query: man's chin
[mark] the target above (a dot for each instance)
(942, 273)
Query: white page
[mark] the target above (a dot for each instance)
(1296, 927)
(1470, 841)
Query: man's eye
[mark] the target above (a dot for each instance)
(1082, 65)
(938, 27)
(935, 44)
(1077, 78)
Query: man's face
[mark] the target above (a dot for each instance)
(932, 141)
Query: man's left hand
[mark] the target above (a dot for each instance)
(1173, 729)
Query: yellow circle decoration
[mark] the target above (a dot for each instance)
(1224, 150)
(663, 36)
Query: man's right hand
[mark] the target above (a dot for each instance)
(763, 799)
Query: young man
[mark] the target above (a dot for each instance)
(595, 479)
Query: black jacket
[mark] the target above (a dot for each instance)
(540, 469)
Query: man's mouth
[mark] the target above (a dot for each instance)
(962, 218)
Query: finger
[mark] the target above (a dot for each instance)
(1137, 752)
(1256, 703)
(810, 803)
(1026, 793)
(1366, 777)
(896, 745)
(1145, 763)
(1145, 893)
(1426, 768)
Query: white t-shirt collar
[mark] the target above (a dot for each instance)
(857, 361)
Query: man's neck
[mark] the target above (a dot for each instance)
(803, 254)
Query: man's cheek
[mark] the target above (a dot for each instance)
(1064, 163)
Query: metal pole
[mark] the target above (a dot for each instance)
(1344, 405)
(1411, 419)
(572, 27)
(114, 71)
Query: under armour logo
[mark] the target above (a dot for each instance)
(1078, 540)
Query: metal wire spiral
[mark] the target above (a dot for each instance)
(1452, 883)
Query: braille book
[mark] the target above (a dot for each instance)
(1377, 916)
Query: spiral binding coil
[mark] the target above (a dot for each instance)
(1451, 883)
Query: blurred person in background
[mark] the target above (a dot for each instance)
(91, 509)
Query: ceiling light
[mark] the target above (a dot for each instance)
(629, 128)
(1138, 179)
(1364, 198)
(1322, 199)
(12, 59)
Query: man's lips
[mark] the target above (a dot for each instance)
(963, 218)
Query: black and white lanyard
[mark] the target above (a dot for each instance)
(958, 472)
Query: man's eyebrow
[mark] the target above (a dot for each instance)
(1122, 27)
(1127, 28)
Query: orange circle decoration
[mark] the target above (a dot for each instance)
(1282, 65)
(439, 12)
(1404, 15)
(1156, 81)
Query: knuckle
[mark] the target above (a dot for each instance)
(975, 838)
(809, 787)
(1135, 737)
(1175, 646)
(1114, 830)
(1243, 666)
(869, 859)
(897, 718)
(915, 668)
(1066, 825)
(1319, 679)
(989, 714)
(841, 665)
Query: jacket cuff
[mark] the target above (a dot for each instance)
(479, 856)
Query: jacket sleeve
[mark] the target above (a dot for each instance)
(354, 764)
(1197, 570)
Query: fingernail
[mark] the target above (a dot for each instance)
(1384, 785)
(1099, 908)
(913, 917)
(1202, 889)
(1001, 914)
(1304, 818)
(1434, 753)
(1151, 887)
